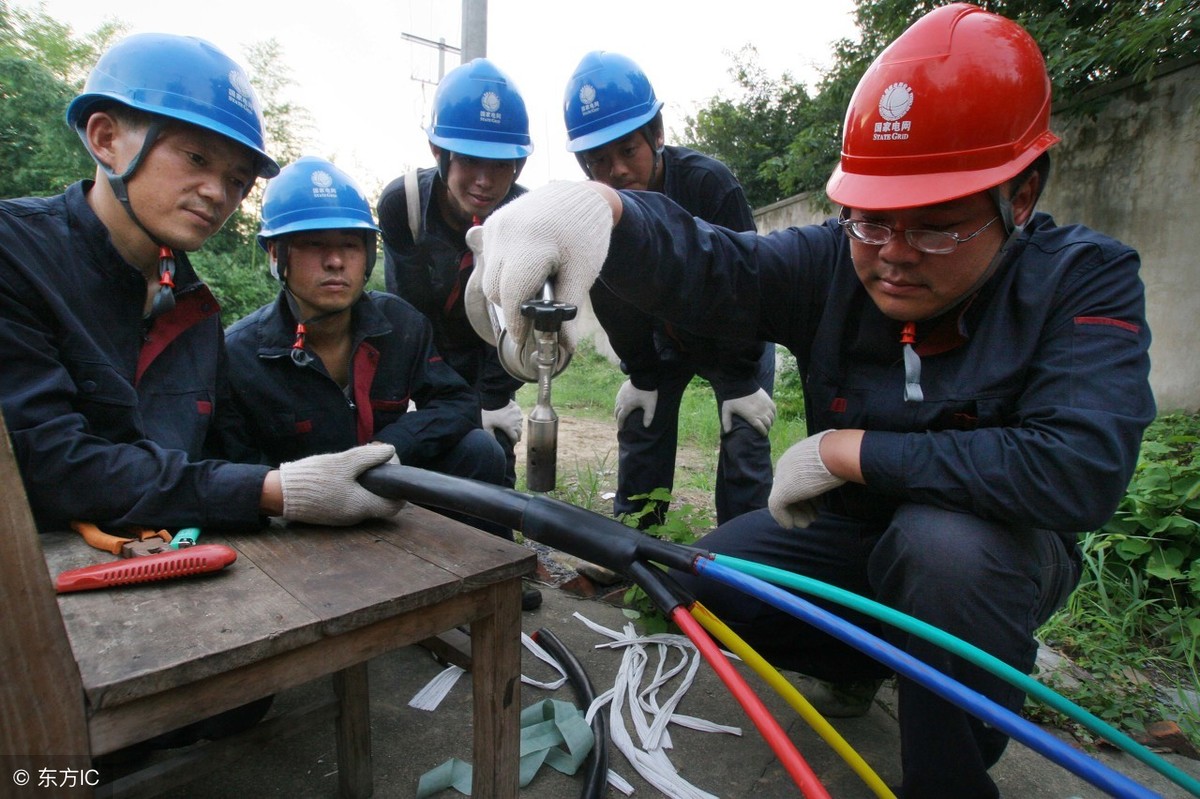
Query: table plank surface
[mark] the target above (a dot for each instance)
(137, 640)
(290, 587)
(477, 560)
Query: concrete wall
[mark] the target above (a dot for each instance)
(1134, 173)
(802, 209)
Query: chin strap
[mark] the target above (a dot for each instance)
(164, 299)
(300, 355)
(657, 148)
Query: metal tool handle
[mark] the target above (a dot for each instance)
(547, 313)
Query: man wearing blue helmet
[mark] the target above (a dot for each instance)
(615, 128)
(115, 392)
(328, 365)
(479, 136)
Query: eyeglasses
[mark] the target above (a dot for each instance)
(935, 242)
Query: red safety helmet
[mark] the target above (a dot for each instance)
(958, 104)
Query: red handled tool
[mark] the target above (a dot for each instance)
(150, 568)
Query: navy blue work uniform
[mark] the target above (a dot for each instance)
(662, 356)
(1036, 396)
(291, 409)
(431, 273)
(113, 417)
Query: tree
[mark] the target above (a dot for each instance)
(231, 262)
(42, 66)
(748, 134)
(1088, 44)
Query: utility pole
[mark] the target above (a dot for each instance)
(474, 38)
(442, 49)
(474, 29)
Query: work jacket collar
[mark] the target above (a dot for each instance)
(275, 330)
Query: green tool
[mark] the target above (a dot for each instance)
(185, 538)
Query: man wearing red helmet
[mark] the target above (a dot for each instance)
(976, 376)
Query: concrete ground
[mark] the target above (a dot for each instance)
(407, 742)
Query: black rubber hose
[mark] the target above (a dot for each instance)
(595, 783)
(578, 531)
(654, 582)
(484, 501)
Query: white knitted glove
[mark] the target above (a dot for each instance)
(800, 475)
(758, 409)
(324, 489)
(561, 229)
(629, 399)
(506, 420)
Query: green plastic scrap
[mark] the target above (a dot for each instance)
(454, 773)
(552, 732)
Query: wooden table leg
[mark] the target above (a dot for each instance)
(355, 780)
(496, 680)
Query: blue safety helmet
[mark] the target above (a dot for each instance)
(479, 111)
(607, 97)
(313, 194)
(182, 78)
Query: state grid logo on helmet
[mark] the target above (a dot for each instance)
(491, 108)
(894, 103)
(588, 104)
(322, 183)
(241, 92)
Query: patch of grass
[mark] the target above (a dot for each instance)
(585, 485)
(1133, 622)
(589, 384)
(790, 426)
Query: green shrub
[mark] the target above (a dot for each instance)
(682, 524)
(1152, 543)
(1133, 623)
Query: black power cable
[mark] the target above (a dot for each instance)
(596, 776)
(578, 531)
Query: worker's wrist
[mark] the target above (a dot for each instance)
(610, 196)
(839, 452)
(271, 502)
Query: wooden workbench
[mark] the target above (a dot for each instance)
(299, 603)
